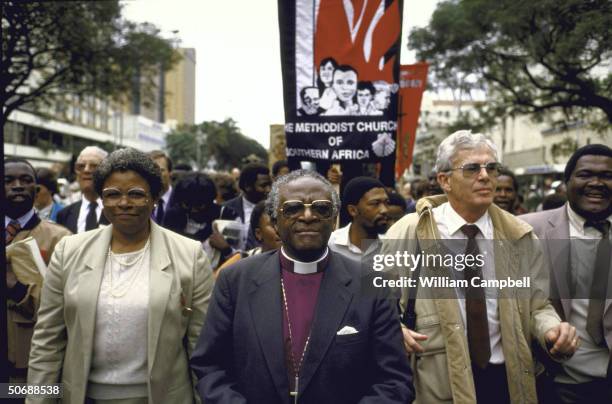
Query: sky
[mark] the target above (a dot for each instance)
(238, 70)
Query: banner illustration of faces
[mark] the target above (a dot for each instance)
(339, 92)
(340, 61)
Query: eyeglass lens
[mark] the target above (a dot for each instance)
(322, 209)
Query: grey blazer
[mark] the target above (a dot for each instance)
(552, 228)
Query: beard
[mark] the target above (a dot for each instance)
(377, 228)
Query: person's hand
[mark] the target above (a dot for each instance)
(562, 340)
(217, 241)
(410, 340)
(11, 279)
(334, 175)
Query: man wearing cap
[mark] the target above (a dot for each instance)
(469, 343)
(23, 282)
(577, 243)
(293, 326)
(367, 203)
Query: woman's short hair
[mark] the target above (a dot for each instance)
(194, 189)
(47, 178)
(258, 211)
(129, 160)
(460, 140)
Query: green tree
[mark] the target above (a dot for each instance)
(185, 145)
(531, 57)
(51, 49)
(223, 141)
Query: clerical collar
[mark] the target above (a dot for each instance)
(303, 268)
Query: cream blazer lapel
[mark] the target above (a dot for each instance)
(89, 285)
(160, 284)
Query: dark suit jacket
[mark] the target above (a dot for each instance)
(69, 217)
(239, 357)
(175, 219)
(237, 206)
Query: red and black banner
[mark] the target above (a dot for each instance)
(413, 81)
(340, 62)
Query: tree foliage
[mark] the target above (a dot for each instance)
(223, 141)
(50, 49)
(531, 57)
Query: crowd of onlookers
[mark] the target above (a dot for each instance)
(131, 214)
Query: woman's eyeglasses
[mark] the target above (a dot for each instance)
(473, 169)
(320, 208)
(136, 196)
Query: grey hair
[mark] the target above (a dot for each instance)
(273, 200)
(93, 150)
(460, 140)
(129, 160)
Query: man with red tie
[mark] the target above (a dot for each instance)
(23, 296)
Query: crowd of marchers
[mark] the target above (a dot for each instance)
(158, 284)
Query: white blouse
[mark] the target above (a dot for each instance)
(119, 361)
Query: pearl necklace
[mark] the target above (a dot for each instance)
(136, 264)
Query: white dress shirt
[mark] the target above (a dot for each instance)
(340, 242)
(248, 209)
(166, 198)
(82, 220)
(449, 224)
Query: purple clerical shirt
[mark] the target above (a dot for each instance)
(301, 291)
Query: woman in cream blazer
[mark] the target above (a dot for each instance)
(122, 306)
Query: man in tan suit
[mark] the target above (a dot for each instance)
(23, 280)
(470, 343)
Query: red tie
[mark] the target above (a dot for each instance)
(11, 231)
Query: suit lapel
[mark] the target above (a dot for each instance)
(332, 303)
(266, 310)
(241, 209)
(160, 284)
(88, 290)
(559, 257)
(72, 221)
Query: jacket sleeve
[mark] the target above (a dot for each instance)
(543, 315)
(392, 374)
(202, 289)
(49, 339)
(212, 359)
(200, 299)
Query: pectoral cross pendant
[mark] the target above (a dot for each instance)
(294, 394)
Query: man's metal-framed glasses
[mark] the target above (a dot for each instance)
(473, 169)
(113, 196)
(321, 208)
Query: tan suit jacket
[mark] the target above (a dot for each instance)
(62, 346)
(443, 373)
(22, 314)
